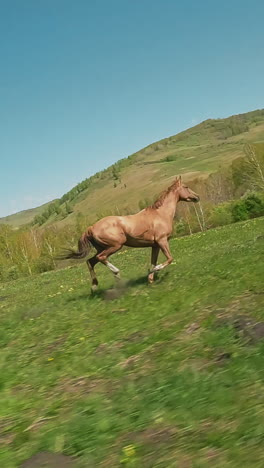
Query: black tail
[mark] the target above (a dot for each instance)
(84, 246)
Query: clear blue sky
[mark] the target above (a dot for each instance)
(86, 82)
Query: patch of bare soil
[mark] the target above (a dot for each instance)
(195, 365)
(237, 316)
(246, 327)
(130, 362)
(81, 385)
(156, 434)
(6, 439)
(49, 460)
(86, 385)
(135, 337)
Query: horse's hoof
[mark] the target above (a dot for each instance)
(94, 288)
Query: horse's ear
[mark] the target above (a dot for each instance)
(180, 180)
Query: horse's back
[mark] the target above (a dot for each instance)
(109, 230)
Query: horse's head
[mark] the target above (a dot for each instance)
(185, 193)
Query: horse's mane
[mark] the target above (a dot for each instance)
(160, 200)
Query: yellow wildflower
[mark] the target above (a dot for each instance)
(129, 451)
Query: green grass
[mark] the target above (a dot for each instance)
(148, 379)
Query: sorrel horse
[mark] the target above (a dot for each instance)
(150, 227)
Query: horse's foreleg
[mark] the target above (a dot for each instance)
(103, 256)
(164, 246)
(154, 258)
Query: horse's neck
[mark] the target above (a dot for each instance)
(168, 208)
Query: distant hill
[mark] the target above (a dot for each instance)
(124, 186)
(23, 217)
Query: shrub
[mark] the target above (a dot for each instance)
(239, 211)
(254, 205)
(43, 264)
(181, 228)
(144, 203)
(220, 215)
(250, 207)
(12, 273)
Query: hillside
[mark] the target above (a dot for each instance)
(194, 153)
(163, 375)
(24, 217)
(123, 187)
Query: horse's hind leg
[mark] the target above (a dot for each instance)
(103, 256)
(154, 258)
(91, 262)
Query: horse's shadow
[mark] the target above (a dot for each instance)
(121, 287)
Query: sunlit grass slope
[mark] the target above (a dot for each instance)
(152, 376)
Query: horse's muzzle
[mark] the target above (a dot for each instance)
(193, 199)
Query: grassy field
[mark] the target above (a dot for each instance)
(168, 375)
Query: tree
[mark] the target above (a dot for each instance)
(6, 241)
(68, 207)
(116, 172)
(219, 186)
(255, 165)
